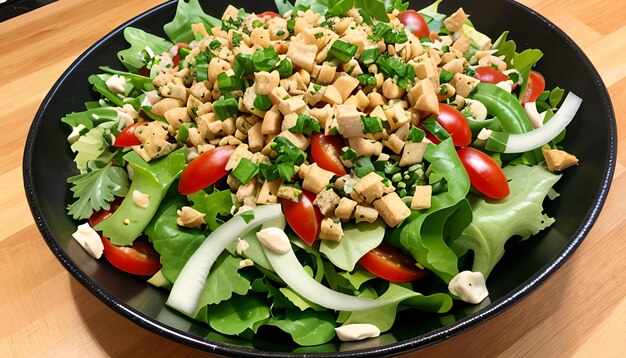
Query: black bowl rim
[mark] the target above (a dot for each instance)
(424, 340)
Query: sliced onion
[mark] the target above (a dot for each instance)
(192, 278)
(520, 143)
(290, 270)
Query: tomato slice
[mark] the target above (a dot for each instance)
(139, 259)
(127, 136)
(304, 218)
(484, 173)
(414, 22)
(536, 86)
(454, 123)
(490, 75)
(205, 170)
(391, 264)
(325, 151)
(268, 15)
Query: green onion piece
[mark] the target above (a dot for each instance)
(262, 102)
(228, 83)
(367, 79)
(287, 151)
(243, 65)
(348, 153)
(306, 124)
(280, 32)
(372, 124)
(215, 44)
(363, 166)
(415, 135)
(342, 51)
(369, 55)
(183, 52)
(286, 171)
(268, 171)
(285, 68)
(245, 171)
(265, 59)
(202, 65)
(256, 23)
(225, 107)
(247, 216)
(435, 128)
(237, 38)
(445, 49)
(445, 76)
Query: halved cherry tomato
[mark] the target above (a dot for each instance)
(414, 22)
(205, 170)
(267, 15)
(484, 173)
(304, 218)
(325, 150)
(536, 85)
(176, 58)
(454, 123)
(127, 137)
(391, 264)
(490, 75)
(139, 259)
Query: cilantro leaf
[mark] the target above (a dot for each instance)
(218, 202)
(95, 190)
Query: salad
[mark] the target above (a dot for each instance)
(317, 169)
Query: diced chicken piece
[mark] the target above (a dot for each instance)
(421, 198)
(260, 36)
(255, 137)
(462, 44)
(316, 179)
(314, 94)
(396, 116)
(289, 121)
(332, 95)
(464, 84)
(322, 114)
(89, 239)
(272, 121)
(278, 95)
(247, 193)
(349, 121)
(345, 85)
(327, 200)
(360, 100)
(217, 66)
(469, 287)
(268, 192)
(292, 105)
(478, 109)
(330, 230)
(326, 74)
(265, 82)
(345, 208)
(356, 197)
(164, 105)
(427, 70)
(455, 66)
(177, 116)
(424, 97)
(413, 153)
(392, 209)
(364, 213)
(391, 90)
(455, 22)
(240, 152)
(288, 192)
(302, 55)
(365, 147)
(370, 187)
(154, 141)
(190, 217)
(231, 12)
(558, 160)
(394, 143)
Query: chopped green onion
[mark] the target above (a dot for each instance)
(372, 124)
(202, 65)
(268, 171)
(228, 83)
(342, 51)
(445, 76)
(306, 124)
(243, 65)
(367, 79)
(286, 171)
(237, 38)
(215, 44)
(435, 128)
(262, 102)
(245, 170)
(183, 132)
(285, 68)
(183, 52)
(348, 153)
(225, 107)
(415, 135)
(363, 166)
(280, 32)
(369, 55)
(257, 23)
(265, 59)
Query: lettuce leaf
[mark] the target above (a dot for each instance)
(358, 239)
(94, 145)
(188, 13)
(223, 281)
(520, 214)
(237, 314)
(135, 57)
(283, 6)
(307, 328)
(95, 190)
(433, 18)
(427, 234)
(91, 117)
(217, 202)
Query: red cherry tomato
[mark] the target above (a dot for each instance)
(176, 58)
(454, 123)
(414, 22)
(490, 75)
(268, 15)
(484, 173)
(536, 85)
(325, 151)
(127, 137)
(391, 264)
(138, 259)
(304, 218)
(205, 170)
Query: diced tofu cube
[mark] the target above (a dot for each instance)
(268, 192)
(272, 121)
(392, 209)
(422, 196)
(327, 200)
(455, 22)
(370, 187)
(288, 192)
(240, 152)
(316, 179)
(364, 213)
(345, 85)
(558, 160)
(394, 143)
(464, 84)
(412, 153)
(365, 147)
(345, 208)
(349, 121)
(330, 230)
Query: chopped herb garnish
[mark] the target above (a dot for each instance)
(245, 170)
(285, 68)
(369, 55)
(243, 65)
(215, 44)
(415, 135)
(225, 107)
(372, 124)
(363, 166)
(319, 35)
(265, 59)
(348, 153)
(367, 79)
(227, 83)
(262, 102)
(306, 124)
(280, 32)
(445, 76)
(237, 38)
(342, 51)
(257, 23)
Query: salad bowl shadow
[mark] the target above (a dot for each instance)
(525, 266)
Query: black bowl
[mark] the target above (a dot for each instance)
(591, 136)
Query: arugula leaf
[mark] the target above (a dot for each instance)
(188, 13)
(99, 85)
(136, 56)
(299, 301)
(306, 124)
(523, 63)
(140, 83)
(399, 5)
(90, 118)
(505, 47)
(218, 202)
(223, 280)
(521, 214)
(358, 239)
(308, 327)
(94, 145)
(237, 314)
(433, 18)
(373, 8)
(95, 190)
(317, 6)
(357, 277)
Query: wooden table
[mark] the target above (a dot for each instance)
(45, 312)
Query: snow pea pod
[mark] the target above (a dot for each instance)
(504, 106)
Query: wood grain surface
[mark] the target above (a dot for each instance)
(45, 312)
